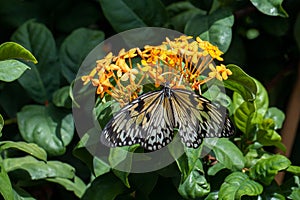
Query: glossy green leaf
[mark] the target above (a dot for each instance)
(30, 148)
(270, 138)
(188, 161)
(181, 12)
(270, 7)
(123, 176)
(43, 79)
(5, 185)
(248, 113)
(229, 155)
(295, 194)
(61, 97)
(194, 185)
(261, 101)
(212, 196)
(77, 186)
(237, 185)
(100, 167)
(119, 154)
(116, 159)
(39, 169)
(253, 122)
(277, 116)
(213, 170)
(242, 115)
(75, 48)
(127, 14)
(241, 83)
(12, 50)
(294, 169)
(49, 127)
(215, 28)
(266, 169)
(11, 70)
(104, 187)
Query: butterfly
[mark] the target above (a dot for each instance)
(153, 118)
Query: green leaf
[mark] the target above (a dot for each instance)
(39, 169)
(261, 101)
(213, 170)
(212, 196)
(270, 138)
(295, 193)
(215, 28)
(11, 70)
(248, 113)
(61, 97)
(276, 115)
(43, 79)
(270, 7)
(30, 148)
(100, 167)
(5, 184)
(104, 187)
(75, 48)
(229, 155)
(294, 169)
(49, 127)
(78, 186)
(194, 185)
(266, 169)
(241, 83)
(243, 114)
(237, 185)
(128, 14)
(12, 50)
(181, 12)
(119, 154)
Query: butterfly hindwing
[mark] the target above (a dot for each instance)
(199, 118)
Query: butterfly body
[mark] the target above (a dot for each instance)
(151, 120)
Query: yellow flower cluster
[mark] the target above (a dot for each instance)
(172, 61)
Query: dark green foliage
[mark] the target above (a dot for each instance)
(43, 46)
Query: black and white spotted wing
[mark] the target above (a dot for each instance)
(150, 120)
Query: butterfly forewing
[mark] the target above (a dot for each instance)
(151, 119)
(147, 120)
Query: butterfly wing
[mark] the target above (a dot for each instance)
(198, 118)
(147, 120)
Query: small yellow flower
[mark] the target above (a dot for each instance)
(220, 72)
(172, 61)
(212, 50)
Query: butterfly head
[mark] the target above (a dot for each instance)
(167, 90)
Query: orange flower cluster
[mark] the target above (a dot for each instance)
(172, 61)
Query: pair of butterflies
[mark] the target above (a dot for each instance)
(152, 119)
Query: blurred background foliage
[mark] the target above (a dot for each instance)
(260, 36)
